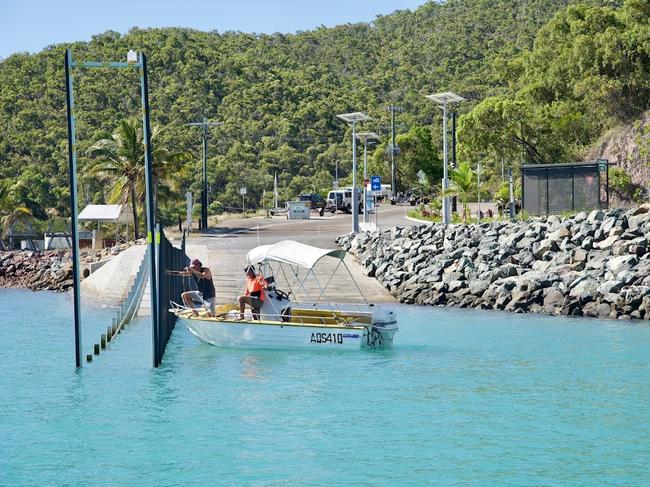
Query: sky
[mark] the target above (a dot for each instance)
(31, 25)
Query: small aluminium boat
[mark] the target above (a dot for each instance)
(285, 323)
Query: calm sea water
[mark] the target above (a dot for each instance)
(465, 398)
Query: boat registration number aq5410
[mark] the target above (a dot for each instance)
(326, 338)
(336, 338)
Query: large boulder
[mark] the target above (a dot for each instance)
(621, 263)
(586, 289)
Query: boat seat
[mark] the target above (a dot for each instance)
(313, 320)
(333, 317)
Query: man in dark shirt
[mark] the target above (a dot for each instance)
(206, 292)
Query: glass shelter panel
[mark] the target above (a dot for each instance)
(586, 188)
(535, 191)
(560, 189)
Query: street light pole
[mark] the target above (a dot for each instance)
(353, 118)
(355, 202)
(445, 181)
(205, 124)
(442, 99)
(365, 178)
(138, 61)
(366, 136)
(512, 196)
(478, 189)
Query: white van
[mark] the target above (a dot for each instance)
(340, 199)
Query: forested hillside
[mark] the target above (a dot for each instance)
(536, 95)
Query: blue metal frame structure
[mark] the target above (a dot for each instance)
(140, 64)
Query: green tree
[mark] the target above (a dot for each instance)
(120, 161)
(417, 153)
(11, 208)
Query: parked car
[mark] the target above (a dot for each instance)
(316, 202)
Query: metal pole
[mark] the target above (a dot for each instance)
(376, 210)
(355, 195)
(600, 193)
(204, 199)
(393, 179)
(478, 189)
(275, 190)
(72, 167)
(523, 191)
(454, 199)
(151, 219)
(606, 182)
(512, 196)
(453, 139)
(445, 180)
(548, 196)
(365, 178)
(573, 188)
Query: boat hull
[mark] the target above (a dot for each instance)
(275, 335)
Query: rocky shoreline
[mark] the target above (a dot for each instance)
(50, 270)
(592, 264)
(39, 271)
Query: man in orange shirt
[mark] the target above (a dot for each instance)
(253, 294)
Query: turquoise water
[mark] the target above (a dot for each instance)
(465, 398)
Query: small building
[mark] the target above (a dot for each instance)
(117, 214)
(556, 188)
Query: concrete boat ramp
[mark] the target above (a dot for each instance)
(224, 247)
(224, 250)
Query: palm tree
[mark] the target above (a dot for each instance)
(463, 184)
(120, 160)
(11, 209)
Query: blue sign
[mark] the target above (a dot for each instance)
(375, 183)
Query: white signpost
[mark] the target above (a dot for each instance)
(188, 215)
(242, 192)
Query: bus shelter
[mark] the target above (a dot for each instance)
(556, 188)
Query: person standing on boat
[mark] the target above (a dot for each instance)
(206, 292)
(253, 294)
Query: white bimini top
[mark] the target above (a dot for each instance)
(291, 252)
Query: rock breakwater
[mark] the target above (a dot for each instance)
(50, 270)
(47, 271)
(592, 264)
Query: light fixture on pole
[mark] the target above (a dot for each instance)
(205, 124)
(444, 100)
(352, 119)
(365, 136)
